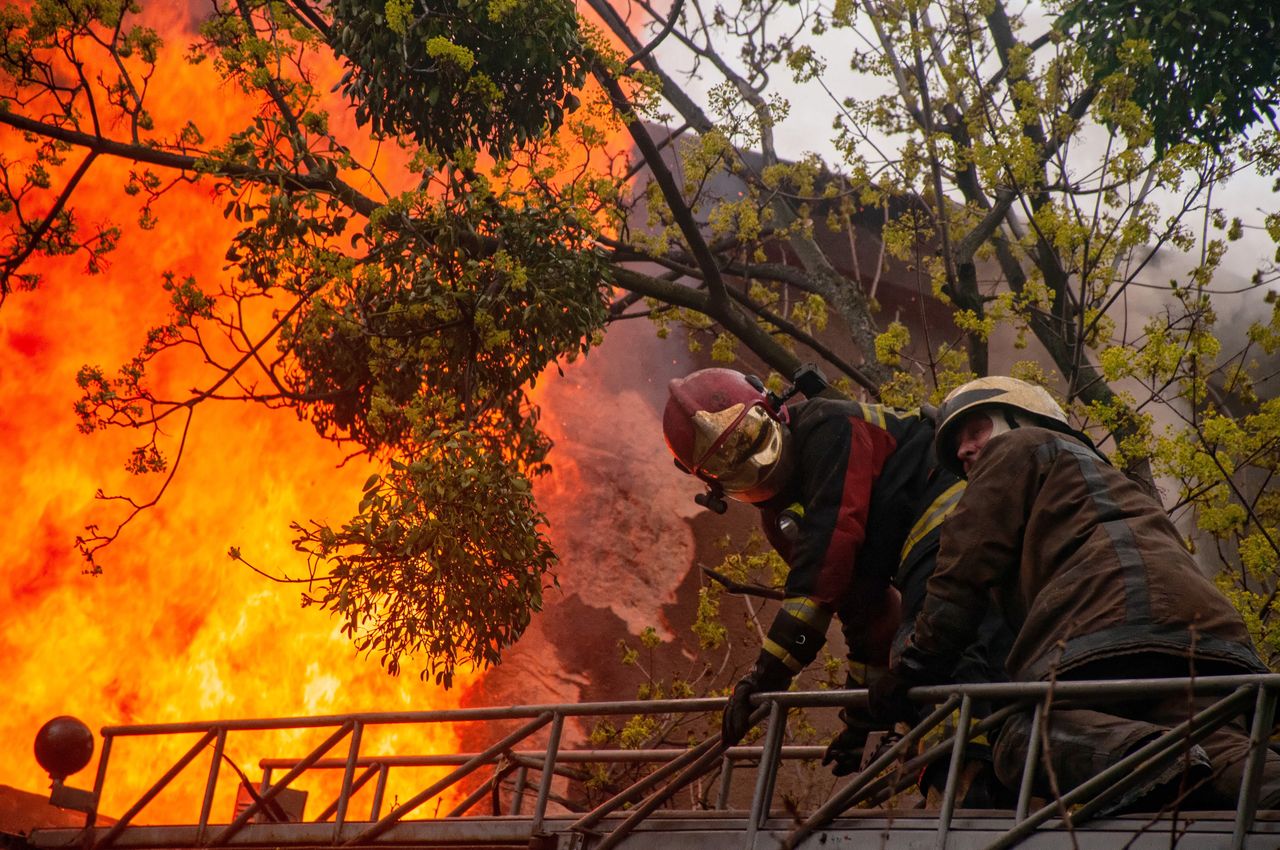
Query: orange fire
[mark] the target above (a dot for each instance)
(173, 630)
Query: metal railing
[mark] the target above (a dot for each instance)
(614, 820)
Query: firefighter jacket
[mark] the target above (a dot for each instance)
(865, 503)
(1084, 565)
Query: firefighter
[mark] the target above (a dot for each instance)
(851, 498)
(1095, 582)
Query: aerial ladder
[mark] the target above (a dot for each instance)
(510, 792)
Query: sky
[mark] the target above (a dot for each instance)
(807, 128)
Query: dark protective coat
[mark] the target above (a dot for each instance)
(1084, 565)
(868, 498)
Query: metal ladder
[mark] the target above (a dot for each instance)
(530, 760)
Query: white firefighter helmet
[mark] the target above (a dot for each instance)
(1019, 398)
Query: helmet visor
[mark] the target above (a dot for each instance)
(737, 446)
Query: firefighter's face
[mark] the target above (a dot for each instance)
(975, 431)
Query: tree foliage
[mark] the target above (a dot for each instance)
(408, 324)
(1008, 183)
(1202, 70)
(479, 75)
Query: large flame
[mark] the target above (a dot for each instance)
(174, 630)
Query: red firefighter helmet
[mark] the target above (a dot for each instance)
(723, 427)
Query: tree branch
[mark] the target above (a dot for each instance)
(12, 264)
(327, 184)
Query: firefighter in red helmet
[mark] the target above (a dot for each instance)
(852, 499)
(723, 427)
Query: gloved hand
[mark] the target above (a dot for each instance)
(887, 701)
(846, 749)
(769, 674)
(735, 723)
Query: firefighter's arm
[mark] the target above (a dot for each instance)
(981, 545)
(799, 630)
(838, 464)
(871, 620)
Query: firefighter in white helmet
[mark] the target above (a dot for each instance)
(1094, 580)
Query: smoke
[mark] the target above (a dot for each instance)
(618, 514)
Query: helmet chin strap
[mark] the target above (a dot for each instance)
(713, 499)
(1000, 424)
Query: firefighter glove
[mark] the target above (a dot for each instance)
(769, 674)
(845, 752)
(887, 701)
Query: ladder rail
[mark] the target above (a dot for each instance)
(679, 767)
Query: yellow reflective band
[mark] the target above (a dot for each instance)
(933, 516)
(946, 729)
(862, 674)
(873, 413)
(776, 650)
(808, 612)
(877, 411)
